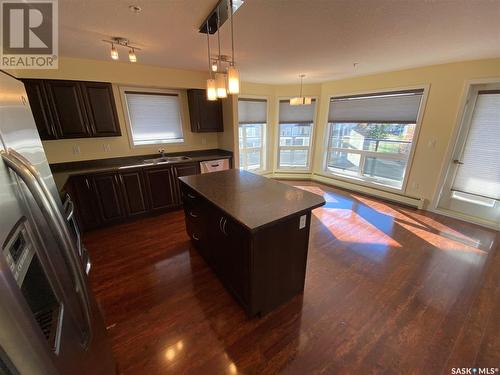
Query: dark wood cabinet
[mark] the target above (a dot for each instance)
(262, 268)
(179, 171)
(108, 194)
(67, 108)
(160, 187)
(101, 108)
(39, 104)
(72, 109)
(81, 190)
(205, 115)
(134, 194)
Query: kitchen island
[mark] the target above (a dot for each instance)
(253, 232)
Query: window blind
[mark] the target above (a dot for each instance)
(294, 114)
(252, 111)
(154, 118)
(396, 107)
(480, 172)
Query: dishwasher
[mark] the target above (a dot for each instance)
(214, 165)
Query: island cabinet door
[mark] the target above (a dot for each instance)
(235, 259)
(159, 186)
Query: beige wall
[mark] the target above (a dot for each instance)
(121, 73)
(446, 84)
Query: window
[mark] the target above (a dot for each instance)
(252, 118)
(295, 132)
(154, 117)
(370, 137)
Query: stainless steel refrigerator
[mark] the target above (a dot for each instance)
(49, 319)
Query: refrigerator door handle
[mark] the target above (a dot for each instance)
(27, 172)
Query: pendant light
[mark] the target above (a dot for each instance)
(301, 100)
(132, 56)
(211, 88)
(114, 52)
(233, 75)
(220, 78)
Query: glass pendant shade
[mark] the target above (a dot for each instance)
(131, 56)
(301, 100)
(220, 82)
(114, 53)
(233, 78)
(211, 89)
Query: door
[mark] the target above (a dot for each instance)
(109, 198)
(40, 108)
(472, 185)
(134, 194)
(159, 186)
(68, 108)
(101, 108)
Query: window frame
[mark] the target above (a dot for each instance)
(264, 145)
(310, 148)
(367, 180)
(152, 91)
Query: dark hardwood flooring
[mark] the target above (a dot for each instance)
(388, 289)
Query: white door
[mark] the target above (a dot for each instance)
(472, 185)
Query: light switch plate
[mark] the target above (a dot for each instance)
(302, 222)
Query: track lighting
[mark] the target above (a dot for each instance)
(122, 42)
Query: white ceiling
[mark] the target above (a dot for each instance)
(278, 39)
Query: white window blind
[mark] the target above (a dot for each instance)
(295, 114)
(252, 111)
(154, 117)
(396, 107)
(480, 172)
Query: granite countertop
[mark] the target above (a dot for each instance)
(62, 171)
(252, 200)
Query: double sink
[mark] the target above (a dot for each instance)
(166, 159)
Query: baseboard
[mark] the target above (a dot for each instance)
(393, 197)
(463, 217)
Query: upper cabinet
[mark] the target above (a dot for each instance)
(72, 109)
(205, 115)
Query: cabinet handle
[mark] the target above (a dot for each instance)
(192, 214)
(220, 223)
(87, 183)
(224, 227)
(191, 196)
(195, 237)
(214, 165)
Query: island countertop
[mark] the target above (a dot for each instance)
(252, 200)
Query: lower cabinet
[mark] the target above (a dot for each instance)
(160, 187)
(111, 197)
(134, 192)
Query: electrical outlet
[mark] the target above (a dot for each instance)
(415, 185)
(203, 141)
(106, 147)
(432, 143)
(76, 150)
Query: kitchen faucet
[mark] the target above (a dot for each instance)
(162, 152)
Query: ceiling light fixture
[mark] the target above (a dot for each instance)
(122, 42)
(211, 88)
(301, 100)
(227, 79)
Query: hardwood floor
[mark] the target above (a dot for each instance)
(388, 289)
